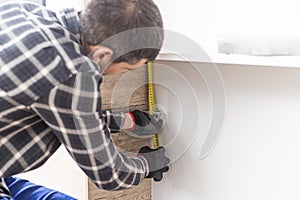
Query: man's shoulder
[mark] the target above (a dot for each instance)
(14, 13)
(22, 18)
(36, 28)
(21, 7)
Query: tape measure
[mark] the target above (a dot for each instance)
(151, 99)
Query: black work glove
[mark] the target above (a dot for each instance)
(157, 162)
(145, 125)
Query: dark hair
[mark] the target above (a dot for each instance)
(105, 18)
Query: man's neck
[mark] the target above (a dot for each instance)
(84, 44)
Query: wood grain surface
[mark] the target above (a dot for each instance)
(115, 90)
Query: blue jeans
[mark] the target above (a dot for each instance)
(24, 190)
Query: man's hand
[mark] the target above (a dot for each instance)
(142, 124)
(157, 162)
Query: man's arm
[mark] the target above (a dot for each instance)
(117, 121)
(72, 111)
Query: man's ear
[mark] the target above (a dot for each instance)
(102, 55)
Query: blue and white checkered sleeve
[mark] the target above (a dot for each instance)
(72, 111)
(114, 120)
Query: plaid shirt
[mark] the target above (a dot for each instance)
(49, 95)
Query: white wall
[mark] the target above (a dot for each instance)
(60, 173)
(204, 21)
(257, 156)
(58, 5)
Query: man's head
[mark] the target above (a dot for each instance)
(103, 19)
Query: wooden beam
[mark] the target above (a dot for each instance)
(138, 100)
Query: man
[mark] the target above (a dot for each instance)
(50, 71)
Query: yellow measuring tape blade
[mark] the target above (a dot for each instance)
(151, 100)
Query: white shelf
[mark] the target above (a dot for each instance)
(217, 58)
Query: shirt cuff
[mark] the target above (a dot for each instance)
(114, 120)
(145, 165)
